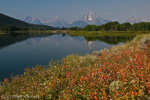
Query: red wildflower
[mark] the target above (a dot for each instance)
(134, 82)
(6, 80)
(149, 90)
(105, 77)
(95, 97)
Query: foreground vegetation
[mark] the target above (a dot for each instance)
(121, 72)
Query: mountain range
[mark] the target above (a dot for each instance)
(133, 20)
(90, 18)
(32, 22)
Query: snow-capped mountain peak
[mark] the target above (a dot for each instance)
(56, 22)
(93, 18)
(32, 20)
(133, 20)
(89, 18)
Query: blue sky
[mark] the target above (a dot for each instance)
(74, 9)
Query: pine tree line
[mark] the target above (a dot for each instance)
(116, 26)
(8, 28)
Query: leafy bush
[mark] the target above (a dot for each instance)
(122, 72)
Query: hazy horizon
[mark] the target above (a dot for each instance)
(70, 10)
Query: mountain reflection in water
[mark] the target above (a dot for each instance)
(18, 51)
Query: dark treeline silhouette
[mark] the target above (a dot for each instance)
(113, 40)
(116, 26)
(110, 39)
(9, 28)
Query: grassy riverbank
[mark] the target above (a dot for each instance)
(121, 72)
(106, 33)
(33, 32)
(81, 33)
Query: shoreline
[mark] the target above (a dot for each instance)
(79, 32)
(119, 70)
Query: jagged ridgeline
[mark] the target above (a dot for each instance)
(7, 23)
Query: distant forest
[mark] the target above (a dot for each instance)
(12, 28)
(111, 26)
(116, 26)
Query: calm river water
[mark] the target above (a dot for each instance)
(19, 52)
